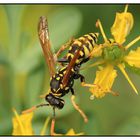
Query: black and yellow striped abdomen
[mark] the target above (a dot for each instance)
(87, 42)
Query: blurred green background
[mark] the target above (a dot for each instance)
(24, 75)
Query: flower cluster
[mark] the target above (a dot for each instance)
(113, 54)
(22, 125)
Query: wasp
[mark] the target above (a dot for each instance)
(62, 80)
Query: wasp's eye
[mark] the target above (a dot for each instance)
(61, 105)
(48, 97)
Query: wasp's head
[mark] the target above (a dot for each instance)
(54, 101)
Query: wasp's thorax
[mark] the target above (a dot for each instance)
(56, 85)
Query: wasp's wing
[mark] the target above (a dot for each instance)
(43, 34)
(70, 66)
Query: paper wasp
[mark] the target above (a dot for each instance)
(62, 81)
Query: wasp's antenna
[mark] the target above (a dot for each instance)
(34, 108)
(41, 105)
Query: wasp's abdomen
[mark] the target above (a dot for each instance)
(87, 42)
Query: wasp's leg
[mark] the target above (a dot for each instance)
(65, 46)
(52, 127)
(63, 60)
(77, 107)
(53, 123)
(93, 65)
(34, 108)
(82, 79)
(114, 93)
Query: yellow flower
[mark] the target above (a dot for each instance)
(104, 78)
(22, 124)
(71, 132)
(133, 58)
(115, 54)
(122, 25)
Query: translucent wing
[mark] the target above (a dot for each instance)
(70, 66)
(43, 34)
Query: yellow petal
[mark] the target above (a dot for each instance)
(72, 133)
(43, 131)
(22, 124)
(122, 25)
(133, 58)
(127, 77)
(104, 80)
